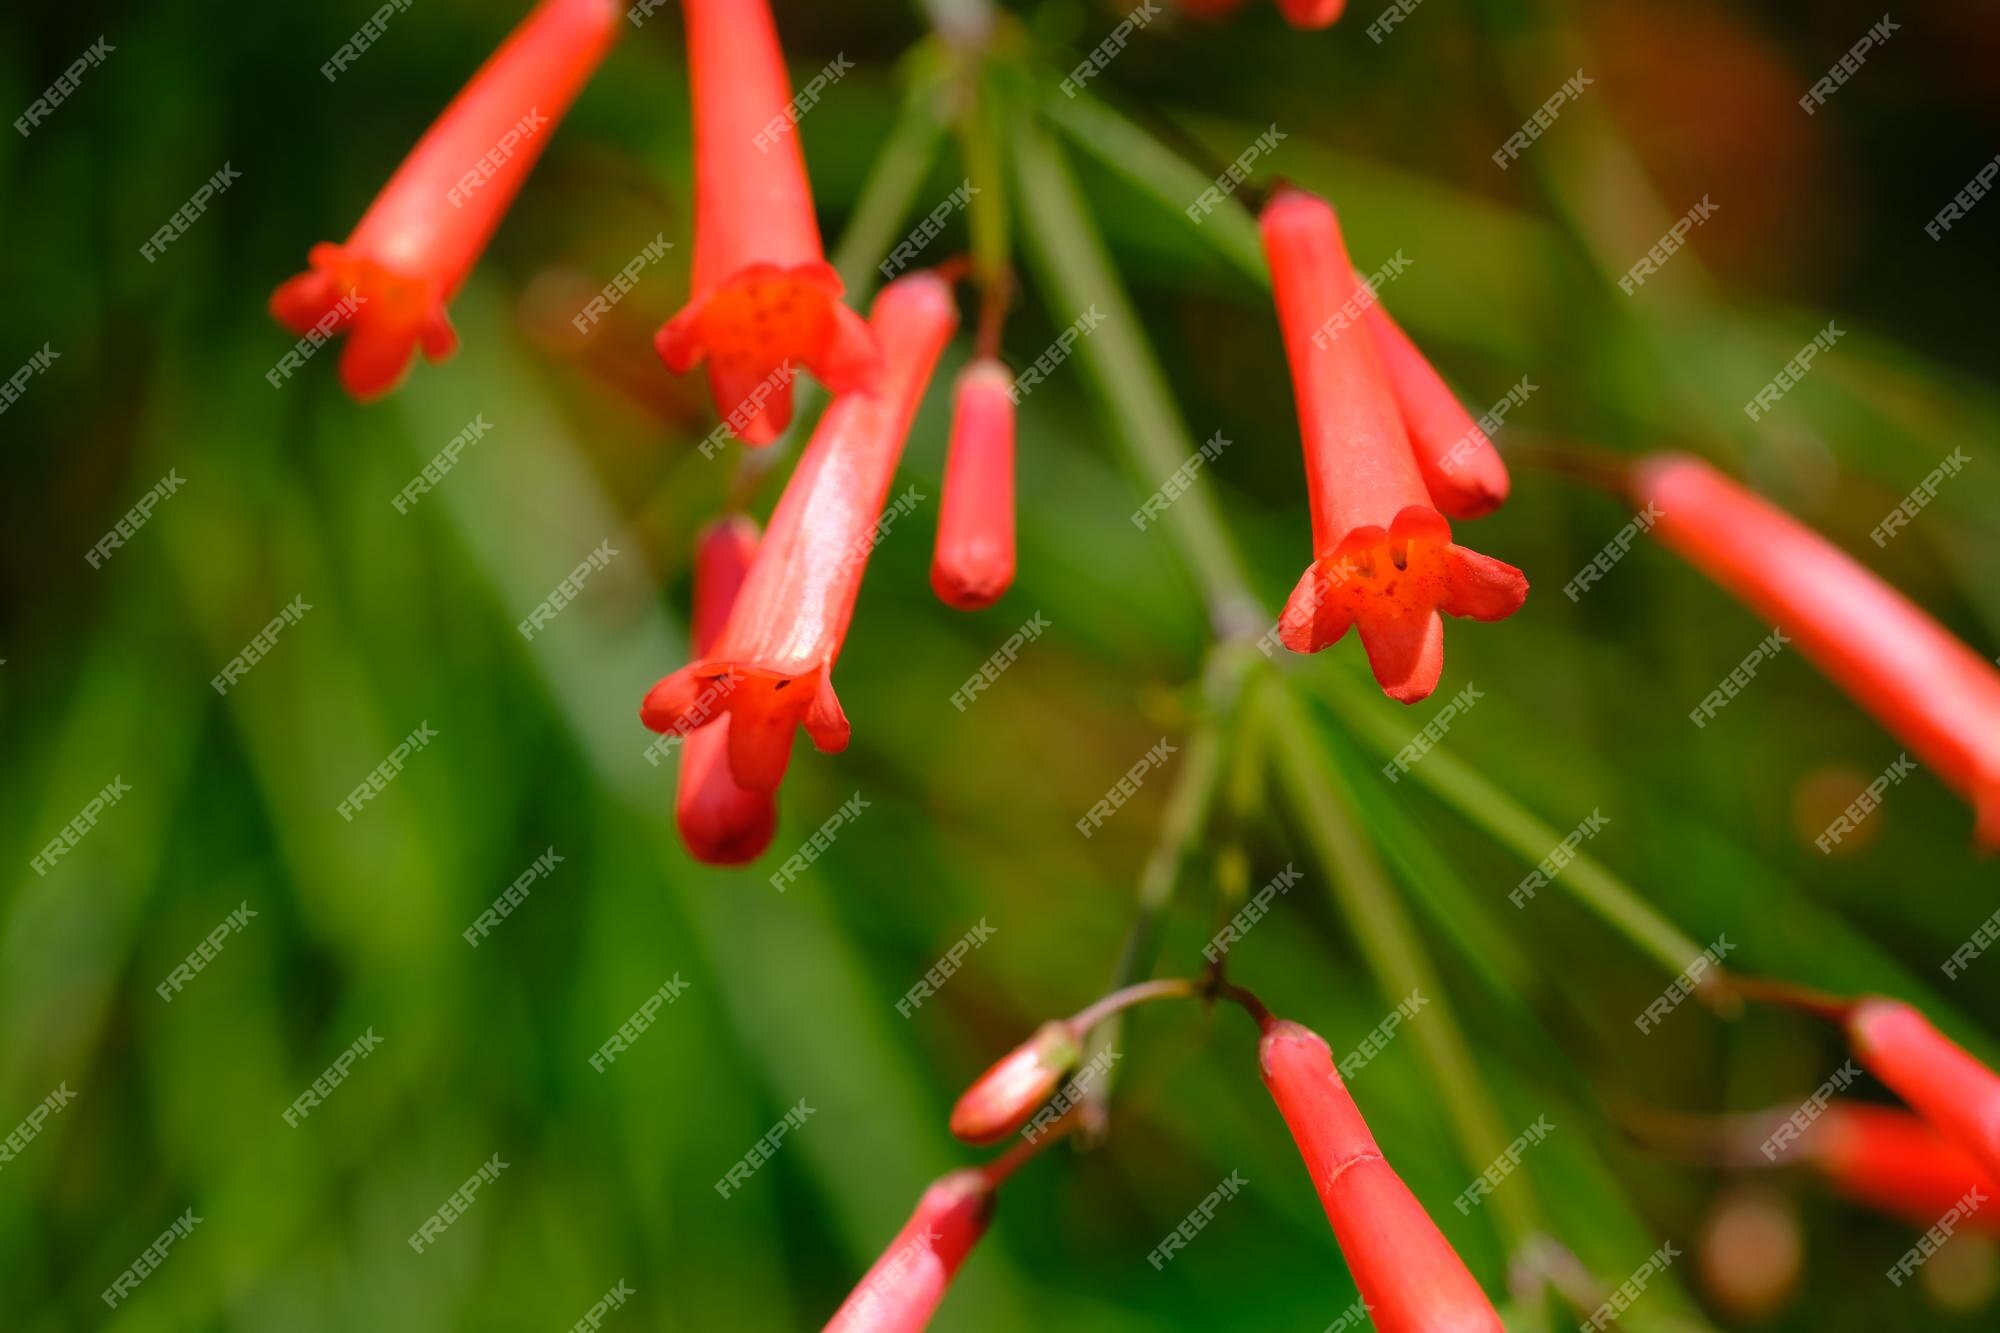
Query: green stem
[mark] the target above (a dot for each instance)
(1467, 791)
(1189, 803)
(986, 210)
(1161, 174)
(1388, 941)
(891, 187)
(1069, 256)
(1076, 273)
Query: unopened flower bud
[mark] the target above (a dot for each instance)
(1001, 1100)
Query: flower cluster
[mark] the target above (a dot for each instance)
(770, 616)
(1392, 459)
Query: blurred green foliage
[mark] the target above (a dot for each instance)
(285, 494)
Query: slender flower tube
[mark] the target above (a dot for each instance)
(721, 822)
(763, 294)
(771, 669)
(1926, 686)
(1411, 1278)
(974, 561)
(1898, 1163)
(1383, 556)
(901, 1292)
(1935, 1075)
(1002, 1099)
(387, 287)
(1462, 470)
(1311, 13)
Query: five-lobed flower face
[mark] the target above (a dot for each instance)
(771, 670)
(386, 287)
(764, 298)
(1383, 559)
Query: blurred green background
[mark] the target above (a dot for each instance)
(285, 493)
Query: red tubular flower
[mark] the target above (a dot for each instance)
(1462, 470)
(1898, 1163)
(1311, 13)
(1411, 1278)
(388, 285)
(1923, 684)
(1932, 1073)
(721, 822)
(901, 1292)
(771, 668)
(1002, 1099)
(974, 562)
(764, 294)
(1383, 556)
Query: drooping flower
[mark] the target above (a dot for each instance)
(1920, 681)
(1898, 1163)
(1934, 1074)
(722, 822)
(388, 285)
(901, 1292)
(1408, 1273)
(1310, 14)
(763, 295)
(1383, 555)
(974, 561)
(1002, 1099)
(771, 668)
(1462, 470)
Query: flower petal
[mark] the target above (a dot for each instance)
(826, 722)
(1314, 617)
(1405, 651)
(760, 745)
(1478, 587)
